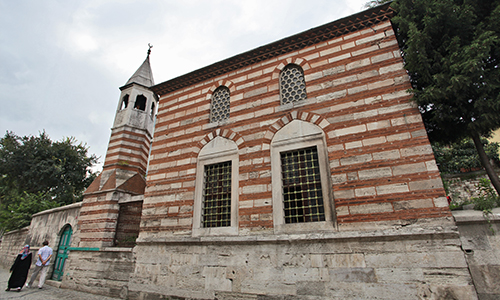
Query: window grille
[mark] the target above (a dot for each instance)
(292, 84)
(220, 105)
(302, 195)
(216, 210)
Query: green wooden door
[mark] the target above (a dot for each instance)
(62, 253)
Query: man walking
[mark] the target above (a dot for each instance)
(44, 255)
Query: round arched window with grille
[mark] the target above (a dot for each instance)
(292, 84)
(220, 105)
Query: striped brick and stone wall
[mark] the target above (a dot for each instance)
(391, 234)
(381, 163)
(125, 166)
(128, 150)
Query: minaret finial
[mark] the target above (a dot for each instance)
(149, 50)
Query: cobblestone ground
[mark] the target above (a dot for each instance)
(47, 293)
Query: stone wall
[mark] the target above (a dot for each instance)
(402, 263)
(480, 239)
(463, 187)
(12, 243)
(104, 272)
(45, 225)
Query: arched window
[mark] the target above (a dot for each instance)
(292, 84)
(152, 109)
(215, 209)
(124, 102)
(219, 110)
(140, 102)
(301, 194)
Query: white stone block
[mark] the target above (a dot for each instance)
(392, 188)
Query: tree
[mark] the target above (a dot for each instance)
(16, 212)
(462, 156)
(37, 173)
(451, 50)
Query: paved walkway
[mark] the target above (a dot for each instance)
(47, 293)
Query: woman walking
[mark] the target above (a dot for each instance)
(20, 270)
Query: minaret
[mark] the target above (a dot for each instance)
(119, 189)
(132, 130)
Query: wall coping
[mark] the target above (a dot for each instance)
(62, 208)
(27, 228)
(105, 249)
(388, 234)
(475, 216)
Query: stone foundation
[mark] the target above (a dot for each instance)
(481, 244)
(404, 263)
(104, 272)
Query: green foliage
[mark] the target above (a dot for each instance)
(17, 214)
(451, 50)
(488, 198)
(37, 173)
(462, 156)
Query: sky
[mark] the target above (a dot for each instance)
(62, 62)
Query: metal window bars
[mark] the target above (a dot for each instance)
(292, 84)
(216, 211)
(302, 195)
(220, 105)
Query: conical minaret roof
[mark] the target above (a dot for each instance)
(143, 75)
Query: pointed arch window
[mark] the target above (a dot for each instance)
(292, 84)
(302, 198)
(215, 209)
(152, 109)
(140, 102)
(219, 110)
(124, 103)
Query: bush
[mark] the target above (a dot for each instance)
(488, 198)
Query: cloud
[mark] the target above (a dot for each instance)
(64, 61)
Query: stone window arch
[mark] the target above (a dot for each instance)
(124, 103)
(219, 108)
(302, 196)
(215, 209)
(140, 102)
(152, 113)
(292, 84)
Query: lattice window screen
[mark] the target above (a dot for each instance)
(302, 195)
(292, 84)
(216, 210)
(220, 105)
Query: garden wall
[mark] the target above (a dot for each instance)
(462, 188)
(12, 243)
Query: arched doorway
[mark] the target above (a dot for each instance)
(62, 253)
